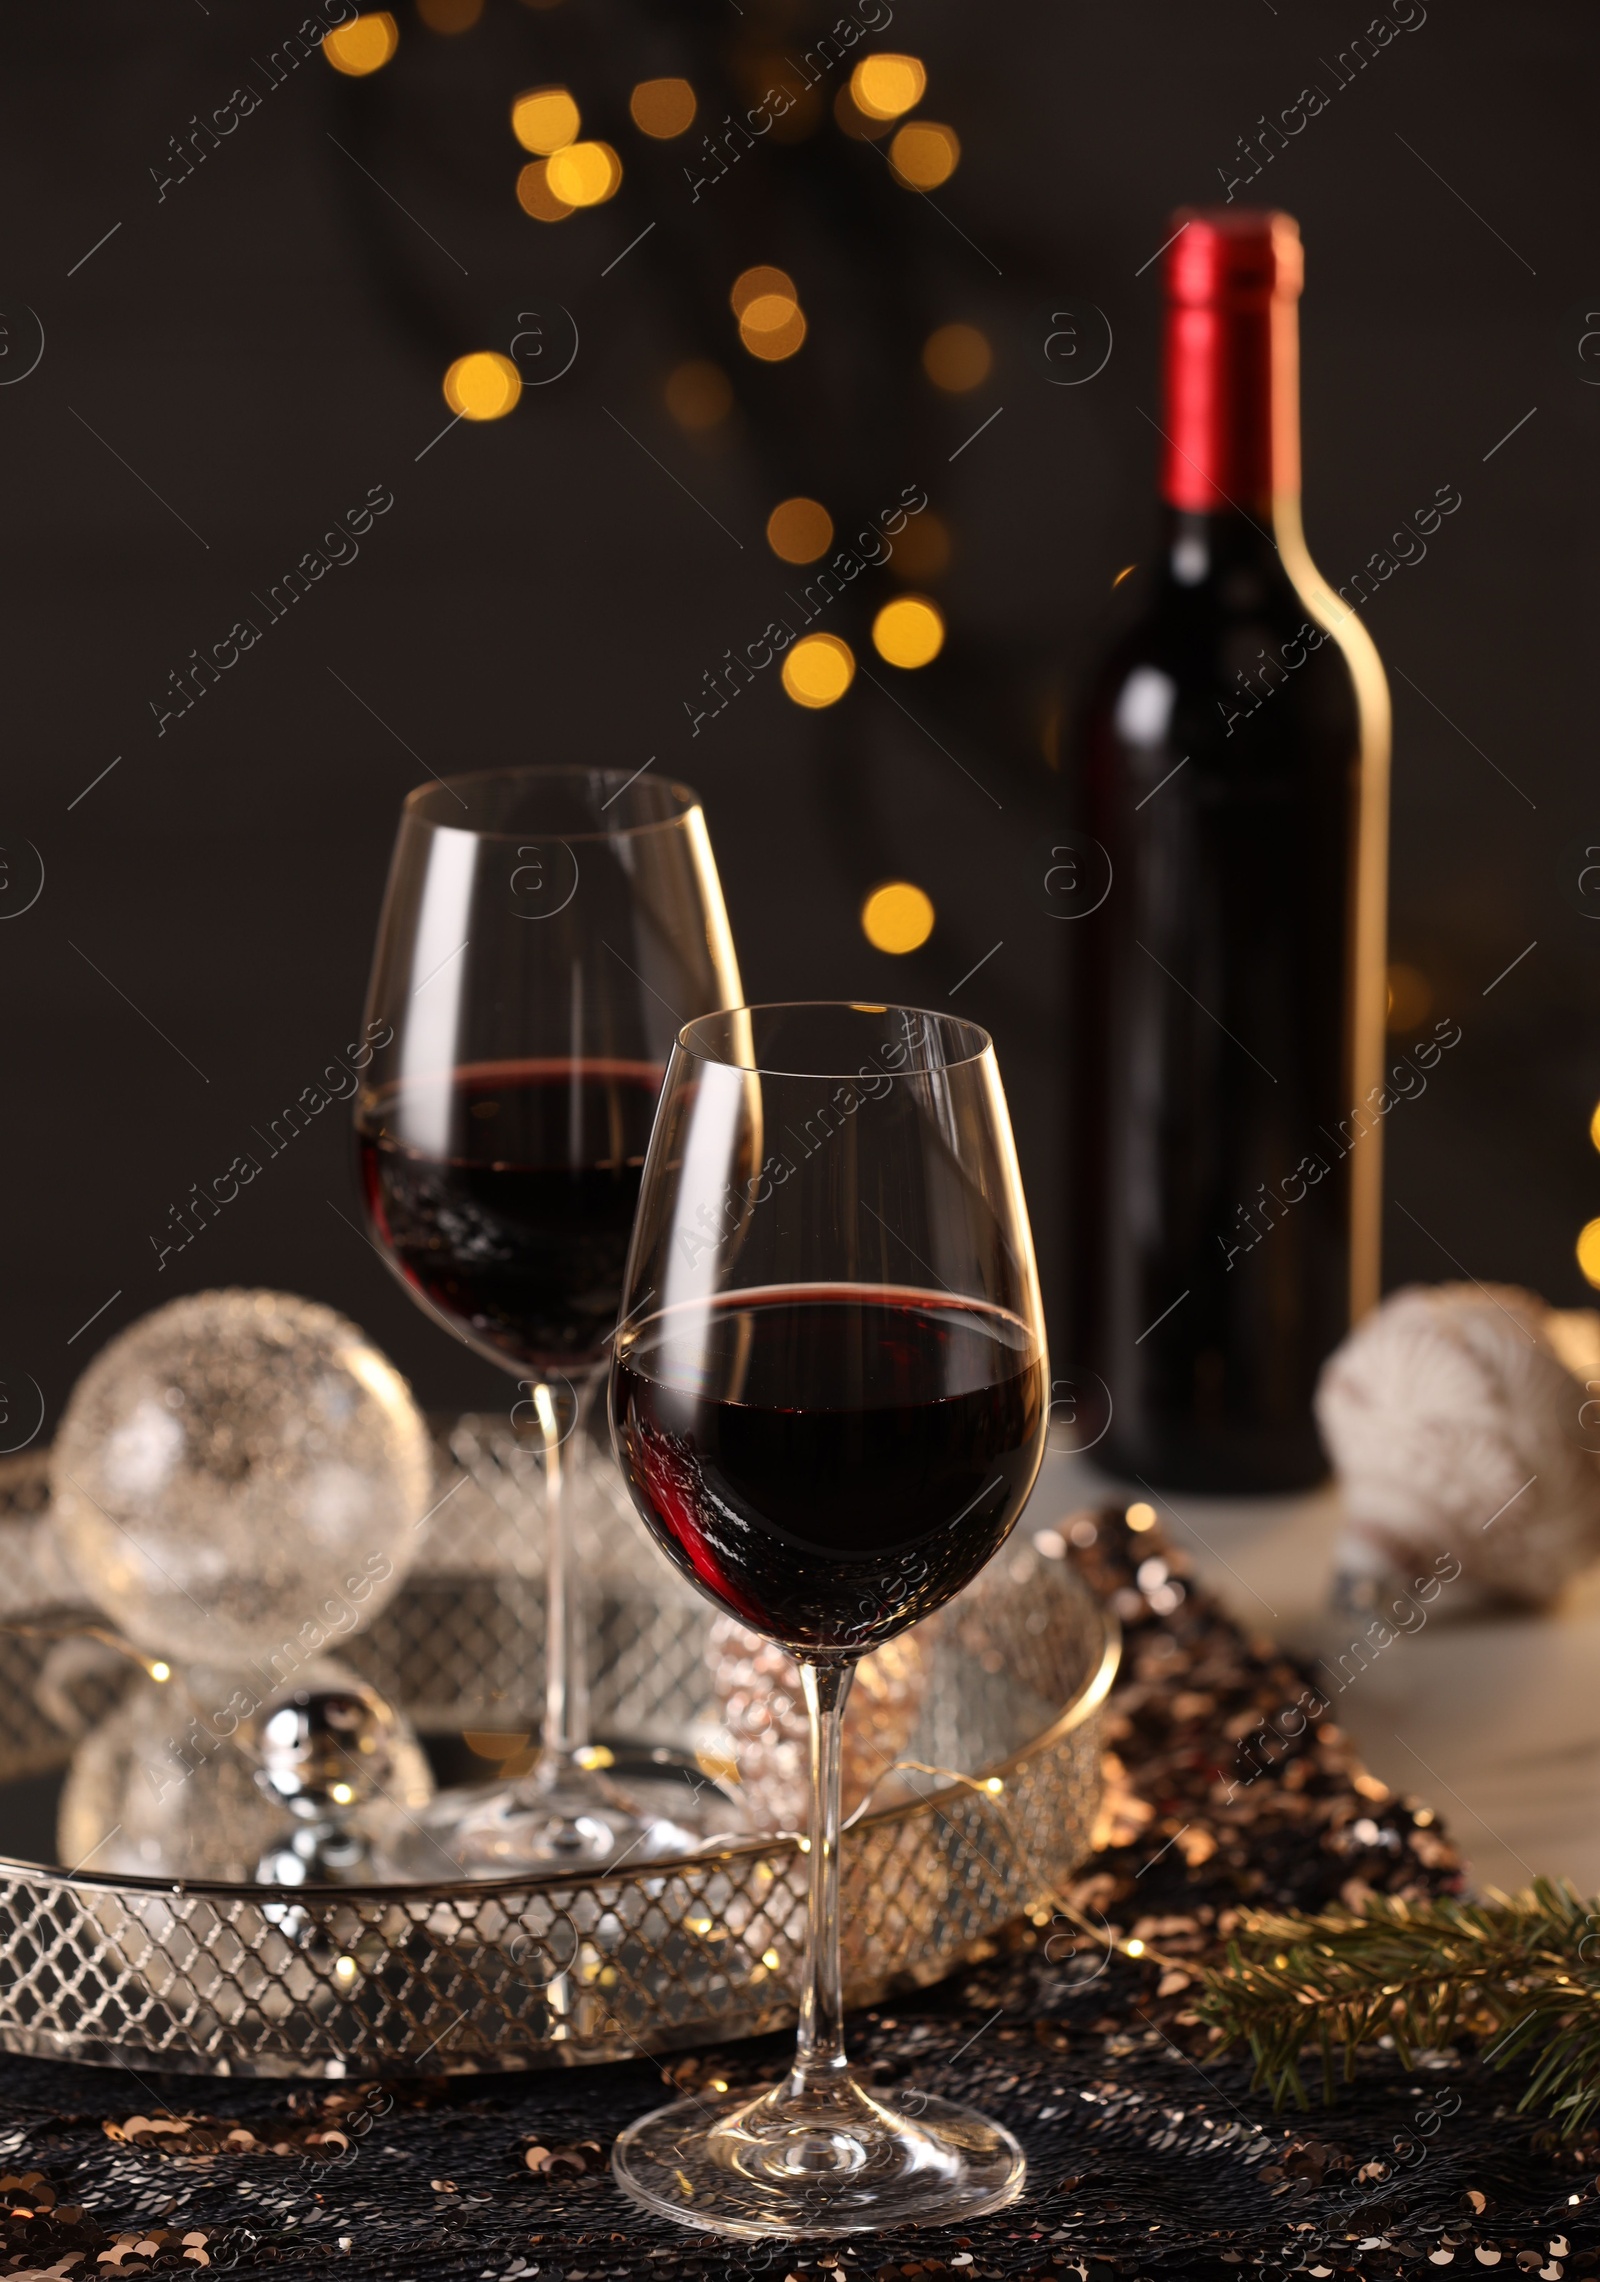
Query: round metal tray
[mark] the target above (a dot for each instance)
(197, 1975)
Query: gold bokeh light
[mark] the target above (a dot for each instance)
(922, 550)
(897, 917)
(772, 327)
(957, 358)
(535, 196)
(545, 119)
(818, 670)
(908, 632)
(482, 386)
(584, 174)
(699, 394)
(363, 46)
(1589, 1252)
(799, 530)
(450, 15)
(924, 154)
(855, 122)
(763, 73)
(1594, 1126)
(662, 108)
(887, 86)
(758, 284)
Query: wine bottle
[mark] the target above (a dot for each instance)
(1232, 997)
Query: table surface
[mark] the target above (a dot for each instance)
(1494, 1717)
(1149, 2154)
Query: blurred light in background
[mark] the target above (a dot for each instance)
(957, 357)
(1126, 571)
(662, 108)
(544, 119)
(1410, 998)
(885, 86)
(772, 328)
(762, 75)
(908, 632)
(771, 324)
(855, 121)
(751, 284)
(366, 45)
(535, 196)
(1594, 1126)
(584, 174)
(482, 386)
(922, 550)
(1589, 1252)
(699, 394)
(818, 670)
(798, 530)
(924, 154)
(449, 15)
(897, 917)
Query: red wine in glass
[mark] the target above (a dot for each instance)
(830, 1463)
(829, 1395)
(545, 932)
(515, 1222)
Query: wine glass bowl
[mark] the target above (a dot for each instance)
(545, 933)
(829, 1393)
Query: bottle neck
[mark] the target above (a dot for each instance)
(1232, 406)
(1201, 549)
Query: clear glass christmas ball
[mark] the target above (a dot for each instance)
(239, 1473)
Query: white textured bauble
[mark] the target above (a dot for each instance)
(1460, 1420)
(238, 1471)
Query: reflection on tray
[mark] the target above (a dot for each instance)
(158, 1965)
(219, 1824)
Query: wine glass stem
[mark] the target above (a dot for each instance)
(566, 1683)
(819, 2059)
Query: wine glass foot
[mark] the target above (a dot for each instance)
(844, 2163)
(581, 1825)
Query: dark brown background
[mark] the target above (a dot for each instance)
(267, 342)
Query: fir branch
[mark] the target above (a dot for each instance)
(1521, 1972)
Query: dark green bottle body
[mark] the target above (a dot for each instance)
(1216, 1209)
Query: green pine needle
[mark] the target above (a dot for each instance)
(1520, 1971)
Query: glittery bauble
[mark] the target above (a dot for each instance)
(239, 1471)
(763, 1708)
(1461, 1421)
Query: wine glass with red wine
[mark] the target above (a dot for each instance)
(829, 1393)
(544, 935)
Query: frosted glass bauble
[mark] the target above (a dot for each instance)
(239, 1473)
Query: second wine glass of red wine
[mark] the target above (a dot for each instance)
(829, 1393)
(545, 934)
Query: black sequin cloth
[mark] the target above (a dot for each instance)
(1147, 2156)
